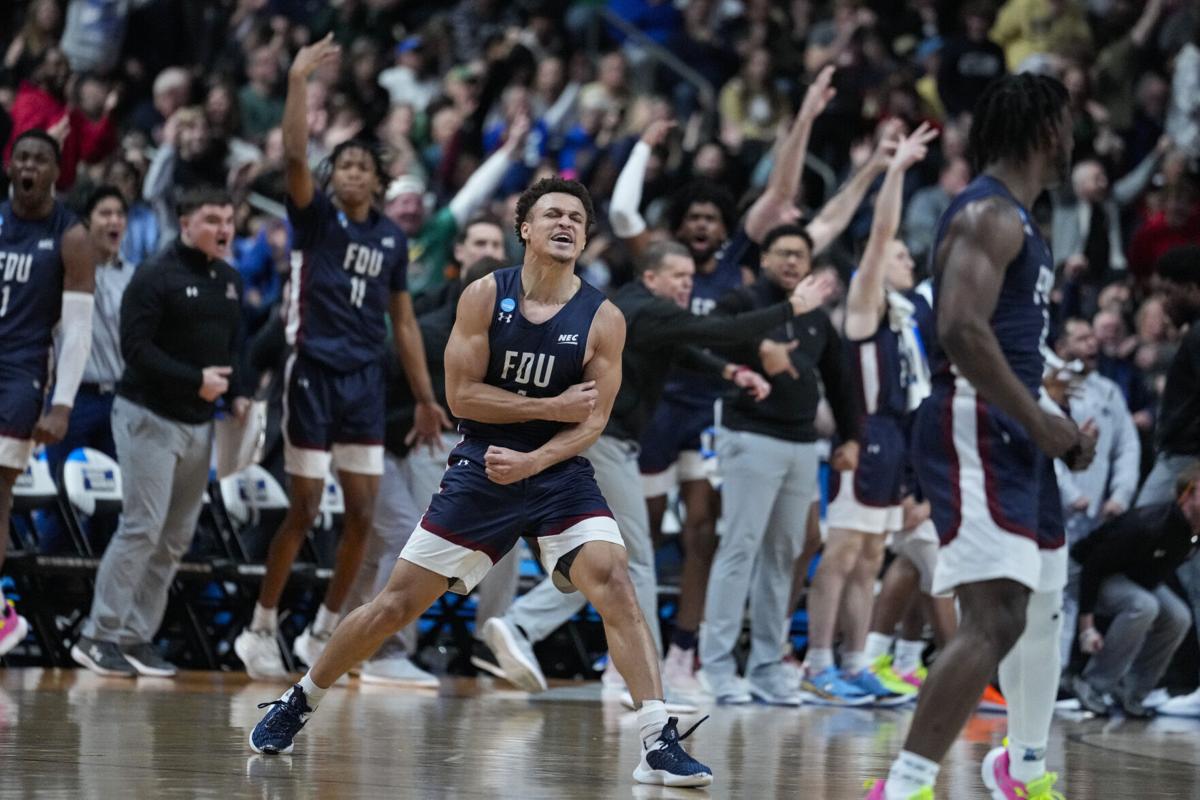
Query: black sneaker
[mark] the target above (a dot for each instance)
(275, 732)
(666, 763)
(102, 658)
(1134, 708)
(1090, 698)
(483, 658)
(147, 661)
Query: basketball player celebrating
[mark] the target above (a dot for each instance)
(532, 369)
(47, 274)
(986, 448)
(350, 277)
(891, 378)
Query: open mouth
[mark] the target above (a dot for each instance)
(222, 242)
(113, 237)
(27, 184)
(562, 238)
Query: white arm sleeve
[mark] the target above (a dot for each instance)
(627, 194)
(75, 345)
(480, 186)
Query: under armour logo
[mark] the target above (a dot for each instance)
(462, 462)
(873, 449)
(568, 338)
(192, 291)
(504, 317)
(303, 383)
(1159, 553)
(1004, 435)
(388, 241)
(46, 244)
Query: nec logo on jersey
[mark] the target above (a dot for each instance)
(568, 338)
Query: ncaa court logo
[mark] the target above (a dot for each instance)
(507, 307)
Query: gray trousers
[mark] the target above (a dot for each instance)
(545, 608)
(1160, 488)
(164, 471)
(768, 486)
(404, 491)
(1148, 627)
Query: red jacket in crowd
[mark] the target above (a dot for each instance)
(88, 140)
(1156, 237)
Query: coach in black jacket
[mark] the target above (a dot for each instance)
(767, 456)
(180, 320)
(1125, 565)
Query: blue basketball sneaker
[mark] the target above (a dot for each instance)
(829, 688)
(666, 763)
(274, 732)
(869, 683)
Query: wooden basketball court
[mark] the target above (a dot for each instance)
(69, 734)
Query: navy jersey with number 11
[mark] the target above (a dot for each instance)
(343, 275)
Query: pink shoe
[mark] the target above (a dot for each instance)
(13, 628)
(1004, 786)
(876, 792)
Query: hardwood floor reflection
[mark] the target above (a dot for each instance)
(70, 735)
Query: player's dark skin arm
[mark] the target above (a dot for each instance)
(466, 362)
(295, 119)
(982, 241)
(79, 259)
(606, 340)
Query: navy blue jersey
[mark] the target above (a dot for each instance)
(688, 388)
(343, 275)
(533, 360)
(31, 285)
(1021, 320)
(879, 372)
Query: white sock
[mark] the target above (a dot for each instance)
(1026, 762)
(1029, 696)
(326, 620)
(878, 644)
(312, 692)
(854, 662)
(910, 774)
(651, 717)
(266, 620)
(908, 655)
(819, 659)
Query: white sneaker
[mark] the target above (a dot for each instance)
(397, 670)
(679, 672)
(1186, 705)
(611, 679)
(310, 644)
(1156, 698)
(259, 651)
(515, 654)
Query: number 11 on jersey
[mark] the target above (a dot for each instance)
(358, 291)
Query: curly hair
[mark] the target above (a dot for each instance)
(326, 168)
(701, 190)
(549, 186)
(1014, 116)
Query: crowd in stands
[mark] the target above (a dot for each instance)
(469, 102)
